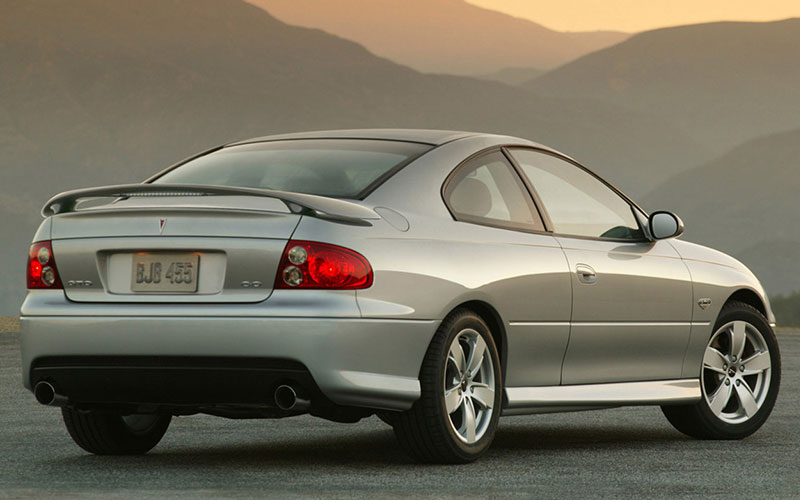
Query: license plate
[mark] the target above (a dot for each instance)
(169, 272)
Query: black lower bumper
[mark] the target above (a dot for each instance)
(196, 382)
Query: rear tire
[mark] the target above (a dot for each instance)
(739, 379)
(114, 434)
(455, 419)
(387, 417)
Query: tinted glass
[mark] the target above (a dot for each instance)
(488, 190)
(341, 168)
(576, 201)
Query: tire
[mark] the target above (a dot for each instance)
(387, 417)
(430, 433)
(114, 434)
(737, 395)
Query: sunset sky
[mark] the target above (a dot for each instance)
(639, 15)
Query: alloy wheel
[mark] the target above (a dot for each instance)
(139, 424)
(469, 386)
(736, 372)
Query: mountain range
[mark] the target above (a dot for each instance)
(513, 75)
(110, 91)
(744, 203)
(724, 83)
(442, 36)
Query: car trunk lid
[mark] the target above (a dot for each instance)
(176, 250)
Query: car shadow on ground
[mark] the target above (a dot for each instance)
(375, 447)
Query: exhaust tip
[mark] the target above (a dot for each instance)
(45, 393)
(287, 399)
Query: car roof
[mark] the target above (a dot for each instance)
(432, 137)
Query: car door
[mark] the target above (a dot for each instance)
(527, 279)
(631, 297)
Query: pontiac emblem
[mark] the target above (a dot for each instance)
(161, 224)
(704, 303)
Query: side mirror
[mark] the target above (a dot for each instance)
(663, 225)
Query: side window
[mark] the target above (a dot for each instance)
(577, 202)
(487, 190)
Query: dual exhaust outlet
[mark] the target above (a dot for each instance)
(286, 397)
(46, 394)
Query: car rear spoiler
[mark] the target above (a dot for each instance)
(322, 207)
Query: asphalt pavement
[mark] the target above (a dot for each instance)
(619, 453)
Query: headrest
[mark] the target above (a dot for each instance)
(471, 197)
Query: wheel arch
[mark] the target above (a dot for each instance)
(494, 321)
(702, 332)
(749, 297)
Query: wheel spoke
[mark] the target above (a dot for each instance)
(452, 399)
(476, 356)
(457, 357)
(756, 363)
(469, 402)
(747, 399)
(738, 338)
(720, 398)
(483, 395)
(714, 360)
(736, 362)
(469, 425)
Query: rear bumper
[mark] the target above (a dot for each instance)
(175, 383)
(372, 363)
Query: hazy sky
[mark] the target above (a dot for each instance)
(639, 15)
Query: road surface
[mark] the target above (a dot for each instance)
(621, 453)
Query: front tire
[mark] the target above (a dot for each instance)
(739, 379)
(455, 419)
(114, 434)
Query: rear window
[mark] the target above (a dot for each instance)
(341, 168)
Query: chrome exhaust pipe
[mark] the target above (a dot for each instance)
(287, 399)
(46, 394)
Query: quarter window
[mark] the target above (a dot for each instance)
(487, 190)
(576, 201)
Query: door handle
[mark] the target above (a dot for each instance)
(586, 274)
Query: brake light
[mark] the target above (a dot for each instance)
(307, 264)
(42, 271)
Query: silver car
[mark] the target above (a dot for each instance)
(436, 279)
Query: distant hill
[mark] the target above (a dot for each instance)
(109, 91)
(745, 203)
(513, 76)
(770, 259)
(723, 83)
(441, 36)
(787, 309)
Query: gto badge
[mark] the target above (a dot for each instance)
(76, 283)
(161, 224)
(251, 284)
(704, 303)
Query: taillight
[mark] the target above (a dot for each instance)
(307, 264)
(42, 271)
